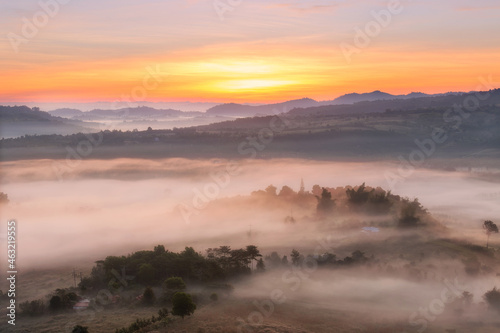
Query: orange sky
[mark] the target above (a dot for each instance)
(262, 51)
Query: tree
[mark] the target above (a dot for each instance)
(146, 274)
(325, 203)
(260, 265)
(80, 329)
(271, 190)
(295, 255)
(174, 283)
(159, 249)
(182, 305)
(286, 191)
(492, 297)
(55, 303)
(253, 252)
(148, 297)
(4, 198)
(409, 213)
(359, 196)
(489, 228)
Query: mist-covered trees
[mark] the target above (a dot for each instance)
(4, 198)
(325, 203)
(295, 255)
(410, 212)
(492, 297)
(157, 266)
(489, 228)
(234, 262)
(358, 196)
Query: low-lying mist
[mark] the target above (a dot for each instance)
(108, 207)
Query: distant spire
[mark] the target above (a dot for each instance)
(302, 188)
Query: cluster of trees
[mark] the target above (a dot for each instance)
(326, 259)
(359, 199)
(236, 262)
(153, 267)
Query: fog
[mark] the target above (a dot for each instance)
(100, 208)
(95, 208)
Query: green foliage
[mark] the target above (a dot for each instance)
(182, 305)
(146, 274)
(80, 329)
(174, 283)
(233, 262)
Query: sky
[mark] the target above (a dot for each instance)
(243, 50)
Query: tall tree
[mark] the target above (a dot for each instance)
(253, 252)
(489, 228)
(295, 255)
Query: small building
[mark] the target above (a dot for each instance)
(81, 305)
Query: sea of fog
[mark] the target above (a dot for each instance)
(96, 208)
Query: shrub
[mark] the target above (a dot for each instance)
(80, 329)
(492, 297)
(182, 305)
(174, 283)
(148, 297)
(33, 308)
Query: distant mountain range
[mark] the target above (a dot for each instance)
(21, 120)
(141, 112)
(241, 110)
(377, 96)
(400, 104)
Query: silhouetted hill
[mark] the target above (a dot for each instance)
(141, 112)
(66, 113)
(240, 110)
(376, 96)
(21, 120)
(446, 100)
